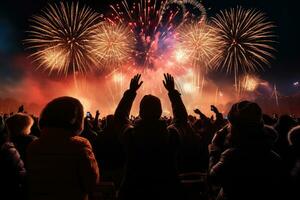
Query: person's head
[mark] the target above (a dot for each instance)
(19, 124)
(246, 121)
(294, 136)
(150, 108)
(245, 114)
(285, 123)
(63, 113)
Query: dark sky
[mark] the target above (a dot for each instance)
(284, 70)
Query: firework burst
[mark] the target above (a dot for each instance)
(153, 23)
(249, 83)
(247, 39)
(113, 44)
(197, 13)
(60, 37)
(200, 43)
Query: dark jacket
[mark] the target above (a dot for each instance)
(12, 172)
(61, 166)
(248, 173)
(192, 150)
(21, 142)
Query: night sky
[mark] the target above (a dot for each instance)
(284, 70)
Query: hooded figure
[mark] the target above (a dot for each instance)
(61, 165)
(248, 169)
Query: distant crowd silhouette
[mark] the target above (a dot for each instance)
(65, 154)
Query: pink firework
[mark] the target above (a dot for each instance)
(154, 24)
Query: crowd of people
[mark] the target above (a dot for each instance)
(65, 154)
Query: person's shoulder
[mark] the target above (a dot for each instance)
(172, 129)
(7, 146)
(34, 145)
(32, 137)
(128, 129)
(9, 149)
(275, 156)
(81, 142)
(230, 153)
(128, 133)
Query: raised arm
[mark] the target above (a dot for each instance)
(219, 122)
(202, 116)
(124, 107)
(178, 108)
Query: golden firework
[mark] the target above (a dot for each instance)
(60, 38)
(200, 43)
(247, 39)
(113, 44)
(249, 83)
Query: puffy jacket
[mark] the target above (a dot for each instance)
(12, 172)
(61, 167)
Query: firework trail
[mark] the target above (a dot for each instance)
(60, 37)
(247, 39)
(113, 44)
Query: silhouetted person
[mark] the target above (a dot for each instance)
(61, 165)
(283, 126)
(190, 148)
(12, 171)
(109, 151)
(88, 131)
(248, 168)
(151, 148)
(18, 127)
(294, 161)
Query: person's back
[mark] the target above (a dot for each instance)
(151, 148)
(56, 167)
(61, 165)
(151, 154)
(249, 174)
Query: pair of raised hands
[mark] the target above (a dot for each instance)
(212, 108)
(168, 82)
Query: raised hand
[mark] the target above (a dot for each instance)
(135, 83)
(21, 109)
(214, 109)
(169, 82)
(197, 111)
